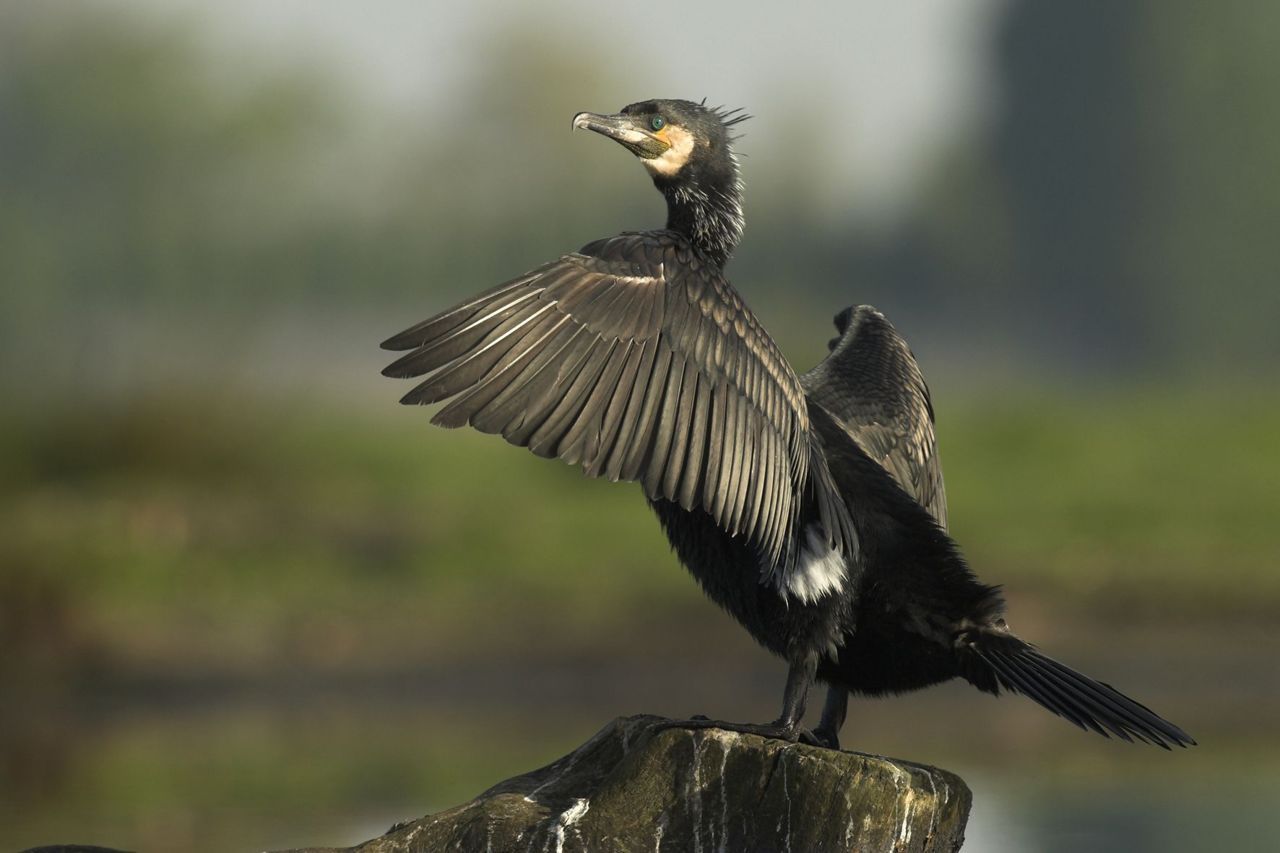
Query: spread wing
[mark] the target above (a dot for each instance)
(635, 361)
(871, 383)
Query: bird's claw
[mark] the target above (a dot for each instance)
(826, 738)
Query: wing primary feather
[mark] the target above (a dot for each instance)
(733, 497)
(664, 429)
(772, 508)
(680, 427)
(553, 432)
(467, 370)
(697, 454)
(463, 409)
(724, 461)
(736, 498)
(629, 420)
(768, 503)
(644, 441)
(582, 440)
(781, 520)
(434, 327)
(511, 396)
(715, 448)
(757, 478)
(749, 493)
(500, 396)
(575, 381)
(459, 341)
(612, 420)
(542, 388)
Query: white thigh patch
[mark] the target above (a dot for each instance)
(820, 569)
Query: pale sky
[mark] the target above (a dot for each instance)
(902, 78)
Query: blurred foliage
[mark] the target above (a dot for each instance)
(183, 534)
(128, 172)
(1115, 217)
(248, 780)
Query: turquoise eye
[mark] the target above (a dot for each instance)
(657, 122)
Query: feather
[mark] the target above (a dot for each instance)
(634, 359)
(871, 384)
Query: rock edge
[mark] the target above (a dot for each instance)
(640, 784)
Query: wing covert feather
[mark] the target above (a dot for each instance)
(871, 384)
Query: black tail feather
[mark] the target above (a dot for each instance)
(1011, 664)
(1012, 678)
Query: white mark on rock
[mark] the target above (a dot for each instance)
(899, 776)
(568, 818)
(933, 817)
(657, 834)
(904, 831)
(782, 763)
(724, 797)
(695, 794)
(848, 829)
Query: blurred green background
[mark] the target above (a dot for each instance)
(248, 601)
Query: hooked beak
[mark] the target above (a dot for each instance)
(623, 130)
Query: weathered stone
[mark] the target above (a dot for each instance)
(638, 786)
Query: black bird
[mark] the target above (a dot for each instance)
(810, 507)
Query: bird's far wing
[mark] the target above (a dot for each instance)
(638, 363)
(871, 383)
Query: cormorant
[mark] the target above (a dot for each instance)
(809, 507)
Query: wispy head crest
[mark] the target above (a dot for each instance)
(730, 118)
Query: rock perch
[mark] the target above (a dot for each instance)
(636, 786)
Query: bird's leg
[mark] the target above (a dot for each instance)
(787, 727)
(799, 677)
(833, 714)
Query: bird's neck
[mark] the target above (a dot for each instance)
(707, 212)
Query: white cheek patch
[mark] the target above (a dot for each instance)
(673, 159)
(820, 569)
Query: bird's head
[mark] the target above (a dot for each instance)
(687, 148)
(674, 139)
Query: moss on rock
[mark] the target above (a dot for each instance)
(640, 784)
